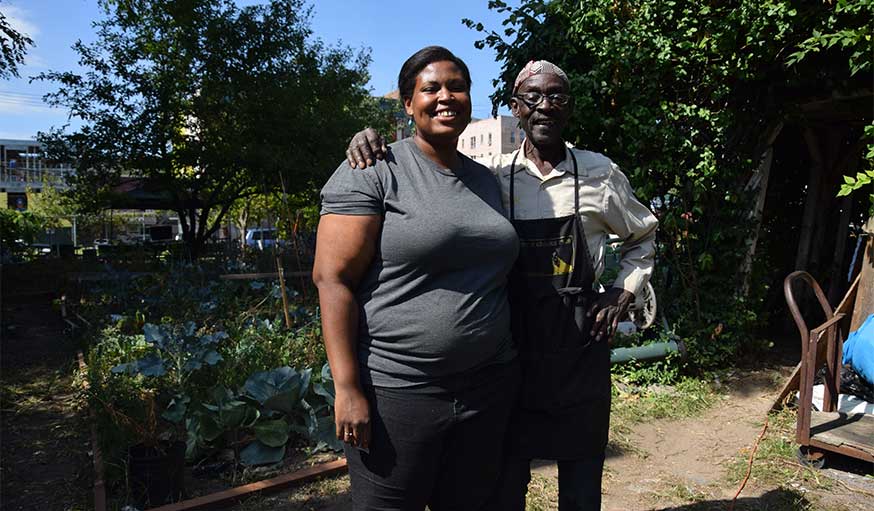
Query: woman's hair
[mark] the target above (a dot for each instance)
(417, 61)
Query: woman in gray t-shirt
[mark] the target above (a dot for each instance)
(411, 265)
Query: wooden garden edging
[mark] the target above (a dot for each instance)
(232, 496)
(256, 276)
(99, 484)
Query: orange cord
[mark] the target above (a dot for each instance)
(750, 466)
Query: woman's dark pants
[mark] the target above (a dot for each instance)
(579, 485)
(443, 450)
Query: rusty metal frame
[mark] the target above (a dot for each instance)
(824, 341)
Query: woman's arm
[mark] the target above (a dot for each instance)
(345, 245)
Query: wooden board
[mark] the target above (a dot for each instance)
(865, 296)
(258, 276)
(843, 430)
(225, 498)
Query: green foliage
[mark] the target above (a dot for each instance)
(682, 95)
(865, 177)
(17, 230)
(848, 27)
(208, 103)
(13, 45)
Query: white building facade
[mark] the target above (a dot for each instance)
(24, 167)
(484, 138)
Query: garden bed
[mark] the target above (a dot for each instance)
(233, 372)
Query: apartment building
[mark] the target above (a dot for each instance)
(484, 138)
(24, 166)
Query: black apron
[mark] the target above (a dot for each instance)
(564, 402)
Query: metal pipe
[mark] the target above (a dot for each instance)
(649, 352)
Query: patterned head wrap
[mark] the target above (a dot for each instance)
(536, 67)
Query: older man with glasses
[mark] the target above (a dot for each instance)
(563, 202)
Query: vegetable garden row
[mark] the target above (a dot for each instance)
(184, 364)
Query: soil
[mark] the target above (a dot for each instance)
(44, 440)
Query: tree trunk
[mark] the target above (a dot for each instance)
(242, 220)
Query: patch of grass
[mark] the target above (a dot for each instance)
(632, 405)
(309, 497)
(542, 493)
(687, 398)
(33, 391)
(776, 463)
(681, 492)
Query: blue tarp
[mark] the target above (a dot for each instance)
(859, 350)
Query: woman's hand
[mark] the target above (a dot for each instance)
(607, 310)
(365, 148)
(352, 416)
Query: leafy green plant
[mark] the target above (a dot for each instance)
(173, 354)
(269, 409)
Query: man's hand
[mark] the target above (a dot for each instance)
(352, 416)
(607, 310)
(365, 148)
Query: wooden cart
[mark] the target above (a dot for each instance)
(828, 430)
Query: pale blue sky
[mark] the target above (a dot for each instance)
(393, 29)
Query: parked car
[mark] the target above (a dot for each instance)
(262, 237)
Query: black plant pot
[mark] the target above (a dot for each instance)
(156, 475)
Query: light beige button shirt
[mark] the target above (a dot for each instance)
(607, 206)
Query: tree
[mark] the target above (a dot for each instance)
(13, 45)
(686, 96)
(208, 103)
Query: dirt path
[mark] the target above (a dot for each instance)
(693, 464)
(44, 463)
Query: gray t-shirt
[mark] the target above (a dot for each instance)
(433, 303)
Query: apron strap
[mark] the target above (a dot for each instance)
(512, 179)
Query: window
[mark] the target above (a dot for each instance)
(473, 142)
(480, 139)
(512, 137)
(490, 139)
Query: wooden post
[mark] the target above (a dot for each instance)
(99, 484)
(836, 274)
(810, 202)
(865, 296)
(281, 272)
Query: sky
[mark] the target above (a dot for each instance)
(392, 29)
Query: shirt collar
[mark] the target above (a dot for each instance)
(565, 166)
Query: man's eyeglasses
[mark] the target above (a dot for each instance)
(533, 99)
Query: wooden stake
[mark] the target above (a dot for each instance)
(281, 272)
